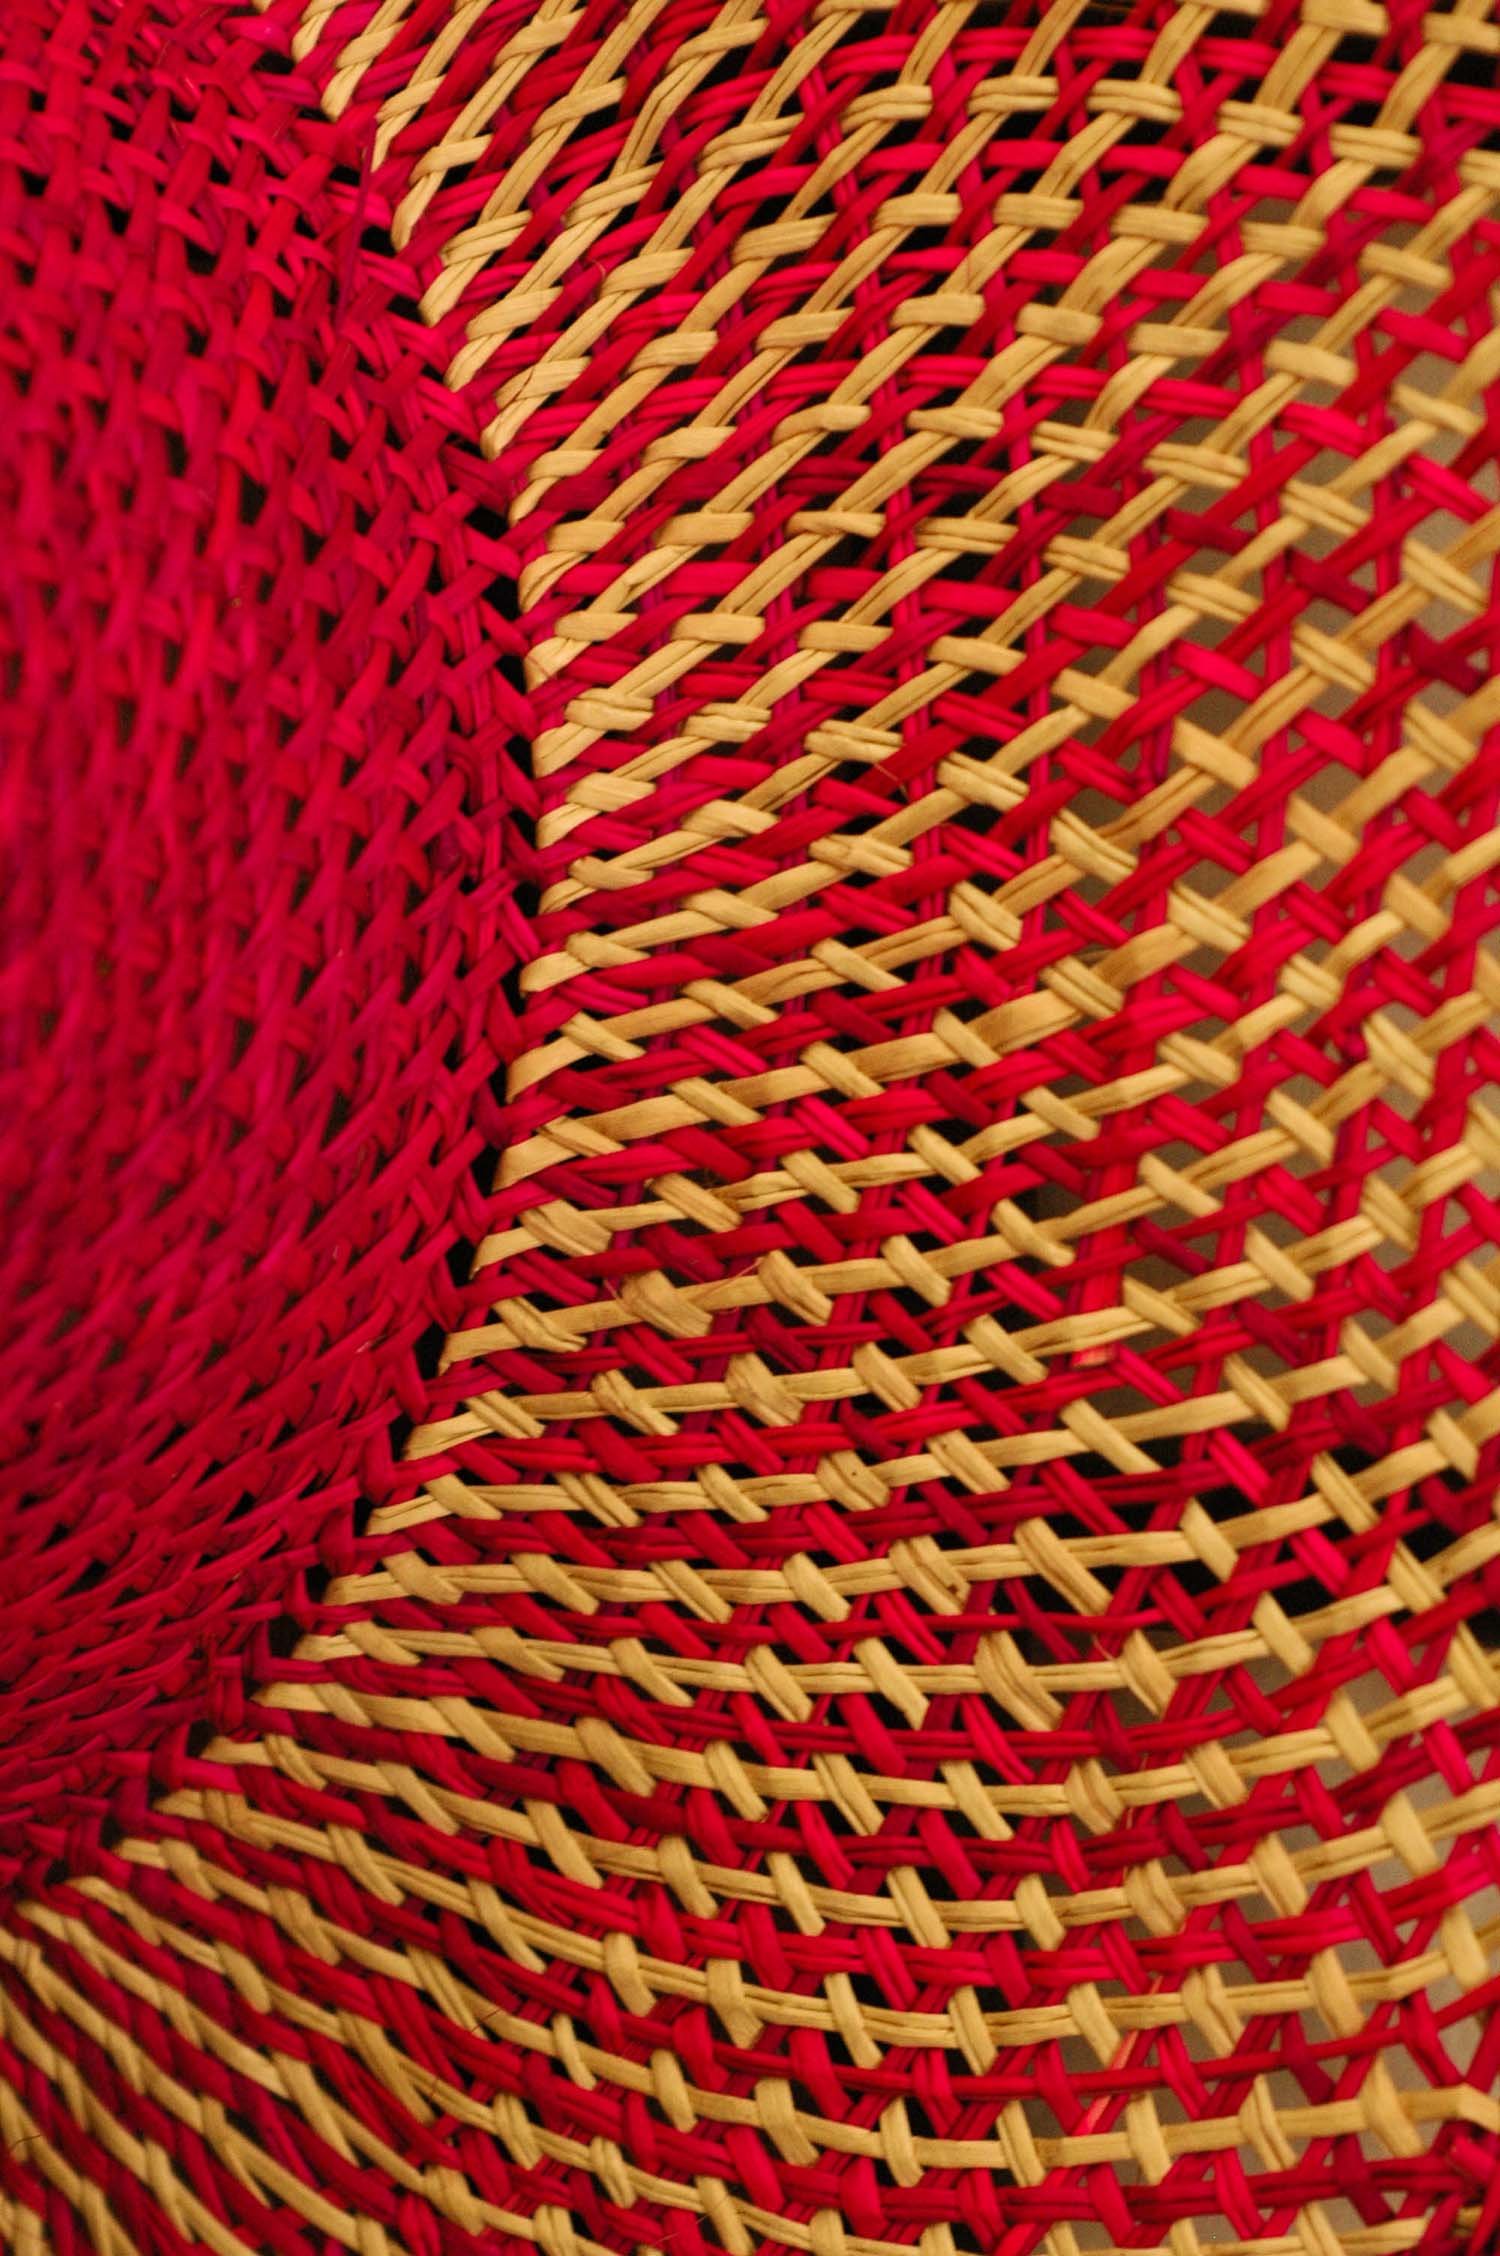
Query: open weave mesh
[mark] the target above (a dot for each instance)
(753, 1242)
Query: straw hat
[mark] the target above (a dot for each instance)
(753, 1170)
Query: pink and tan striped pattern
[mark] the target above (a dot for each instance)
(924, 1679)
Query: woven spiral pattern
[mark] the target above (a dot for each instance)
(888, 615)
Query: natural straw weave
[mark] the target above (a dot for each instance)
(863, 641)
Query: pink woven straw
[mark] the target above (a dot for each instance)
(753, 1179)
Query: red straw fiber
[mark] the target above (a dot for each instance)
(748, 1032)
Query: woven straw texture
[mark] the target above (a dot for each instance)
(749, 1041)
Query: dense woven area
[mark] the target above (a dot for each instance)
(254, 727)
(817, 686)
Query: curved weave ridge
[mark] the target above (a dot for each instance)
(926, 1680)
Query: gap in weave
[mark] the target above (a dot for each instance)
(1461, 2038)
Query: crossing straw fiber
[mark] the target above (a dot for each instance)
(752, 1264)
